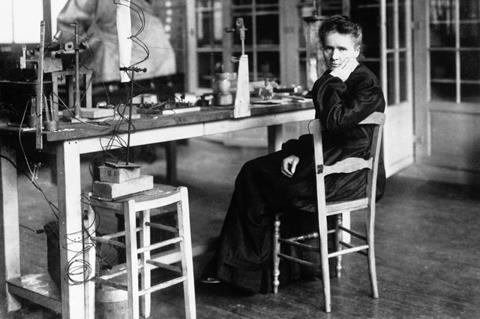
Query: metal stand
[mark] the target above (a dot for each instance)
(133, 70)
(39, 89)
(242, 98)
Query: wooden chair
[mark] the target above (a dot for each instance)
(135, 207)
(324, 209)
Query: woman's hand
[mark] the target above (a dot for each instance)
(289, 165)
(343, 71)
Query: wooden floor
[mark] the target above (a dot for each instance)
(427, 245)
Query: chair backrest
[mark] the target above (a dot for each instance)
(350, 164)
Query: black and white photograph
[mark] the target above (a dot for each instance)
(240, 159)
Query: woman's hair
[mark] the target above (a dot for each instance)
(342, 25)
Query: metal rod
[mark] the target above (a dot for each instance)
(39, 90)
(77, 72)
(130, 106)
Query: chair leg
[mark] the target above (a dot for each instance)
(186, 253)
(322, 229)
(276, 251)
(132, 261)
(338, 238)
(370, 223)
(146, 270)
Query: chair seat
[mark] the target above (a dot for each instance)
(337, 207)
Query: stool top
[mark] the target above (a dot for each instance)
(158, 191)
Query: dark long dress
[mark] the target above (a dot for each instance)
(244, 255)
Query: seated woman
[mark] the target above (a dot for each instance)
(285, 180)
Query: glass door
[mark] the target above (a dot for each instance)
(387, 52)
(396, 77)
(447, 88)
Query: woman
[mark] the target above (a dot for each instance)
(285, 181)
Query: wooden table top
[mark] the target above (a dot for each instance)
(71, 131)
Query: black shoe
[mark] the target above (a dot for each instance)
(210, 280)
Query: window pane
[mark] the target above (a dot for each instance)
(442, 65)
(267, 1)
(470, 93)
(268, 65)
(209, 25)
(443, 10)
(242, 2)
(390, 79)
(370, 20)
(402, 23)
(390, 24)
(469, 63)
(442, 25)
(267, 29)
(442, 35)
(369, 3)
(403, 77)
(374, 66)
(6, 21)
(303, 70)
(330, 7)
(470, 34)
(206, 68)
(26, 23)
(443, 92)
(469, 9)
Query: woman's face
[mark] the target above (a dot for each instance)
(338, 49)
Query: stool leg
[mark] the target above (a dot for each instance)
(132, 259)
(322, 230)
(186, 253)
(89, 256)
(276, 251)
(146, 271)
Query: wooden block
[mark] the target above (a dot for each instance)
(108, 190)
(117, 174)
(96, 113)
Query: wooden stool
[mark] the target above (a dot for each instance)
(142, 203)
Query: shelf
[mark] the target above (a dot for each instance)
(37, 288)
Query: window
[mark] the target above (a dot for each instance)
(454, 50)
(209, 27)
(261, 18)
(18, 24)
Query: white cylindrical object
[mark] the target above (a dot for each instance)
(124, 31)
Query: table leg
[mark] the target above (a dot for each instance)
(171, 155)
(274, 133)
(9, 228)
(70, 231)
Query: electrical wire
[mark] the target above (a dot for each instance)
(77, 266)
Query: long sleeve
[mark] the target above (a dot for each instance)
(342, 105)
